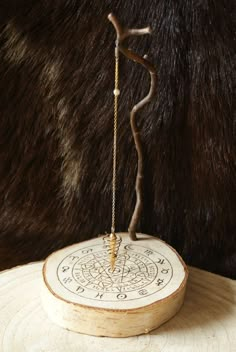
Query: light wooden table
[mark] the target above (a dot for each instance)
(207, 321)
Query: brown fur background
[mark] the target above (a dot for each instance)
(56, 109)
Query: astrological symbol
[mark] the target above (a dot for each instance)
(65, 268)
(143, 292)
(159, 282)
(79, 289)
(73, 257)
(160, 261)
(67, 280)
(165, 271)
(148, 252)
(86, 251)
(121, 296)
(100, 295)
(128, 247)
(88, 266)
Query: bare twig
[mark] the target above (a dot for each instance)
(123, 33)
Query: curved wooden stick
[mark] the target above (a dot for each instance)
(123, 33)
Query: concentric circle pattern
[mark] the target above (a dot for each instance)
(207, 321)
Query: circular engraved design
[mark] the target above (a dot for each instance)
(139, 272)
(82, 293)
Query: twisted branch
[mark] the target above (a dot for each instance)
(123, 33)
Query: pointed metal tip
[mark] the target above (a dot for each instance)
(112, 267)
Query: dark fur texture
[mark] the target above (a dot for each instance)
(56, 116)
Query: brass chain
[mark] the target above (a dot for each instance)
(116, 93)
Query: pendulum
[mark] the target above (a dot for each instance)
(112, 241)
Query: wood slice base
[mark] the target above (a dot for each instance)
(206, 322)
(82, 294)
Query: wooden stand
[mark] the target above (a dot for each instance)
(82, 294)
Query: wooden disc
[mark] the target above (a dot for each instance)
(82, 294)
(206, 322)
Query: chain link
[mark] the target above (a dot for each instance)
(116, 95)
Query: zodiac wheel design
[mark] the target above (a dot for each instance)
(139, 272)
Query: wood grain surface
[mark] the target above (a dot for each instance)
(207, 321)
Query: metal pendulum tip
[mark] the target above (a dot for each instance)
(113, 253)
(112, 244)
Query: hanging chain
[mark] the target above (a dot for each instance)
(112, 241)
(116, 93)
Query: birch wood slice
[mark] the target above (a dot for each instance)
(206, 322)
(81, 292)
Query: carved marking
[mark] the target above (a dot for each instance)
(138, 273)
